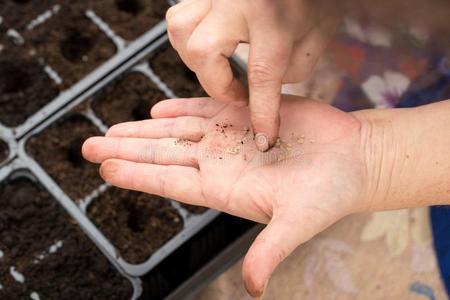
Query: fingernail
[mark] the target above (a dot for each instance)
(262, 142)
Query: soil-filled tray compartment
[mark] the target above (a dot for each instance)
(71, 43)
(131, 18)
(137, 224)
(58, 150)
(129, 98)
(44, 254)
(168, 66)
(25, 87)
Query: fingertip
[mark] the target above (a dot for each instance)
(267, 131)
(254, 282)
(163, 109)
(262, 142)
(88, 149)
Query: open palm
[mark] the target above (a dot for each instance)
(203, 152)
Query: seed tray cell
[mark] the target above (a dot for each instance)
(131, 18)
(137, 224)
(24, 86)
(43, 251)
(71, 44)
(58, 150)
(169, 67)
(128, 99)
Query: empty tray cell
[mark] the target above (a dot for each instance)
(131, 18)
(45, 254)
(18, 13)
(24, 88)
(176, 75)
(128, 99)
(137, 224)
(71, 44)
(58, 150)
(4, 151)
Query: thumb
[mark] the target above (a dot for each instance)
(268, 62)
(280, 237)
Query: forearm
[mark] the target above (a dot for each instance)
(407, 155)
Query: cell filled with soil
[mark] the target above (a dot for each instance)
(176, 75)
(47, 252)
(18, 13)
(71, 44)
(58, 150)
(24, 88)
(131, 18)
(128, 99)
(137, 224)
(4, 151)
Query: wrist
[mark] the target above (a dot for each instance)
(405, 152)
(384, 149)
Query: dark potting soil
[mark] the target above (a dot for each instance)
(193, 209)
(136, 223)
(128, 99)
(18, 13)
(31, 222)
(4, 151)
(24, 88)
(176, 75)
(58, 150)
(131, 18)
(71, 44)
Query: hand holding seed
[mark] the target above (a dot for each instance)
(203, 152)
(286, 39)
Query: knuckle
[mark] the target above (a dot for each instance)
(176, 23)
(202, 48)
(260, 74)
(263, 116)
(161, 178)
